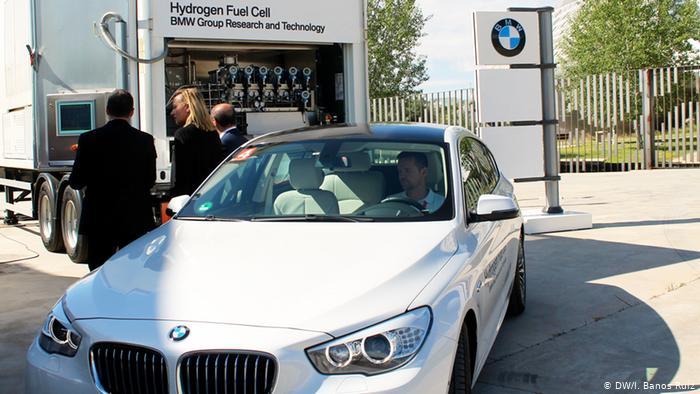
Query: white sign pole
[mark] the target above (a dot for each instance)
(551, 161)
(527, 140)
(549, 121)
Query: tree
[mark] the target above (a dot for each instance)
(393, 30)
(621, 35)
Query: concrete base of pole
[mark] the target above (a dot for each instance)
(538, 222)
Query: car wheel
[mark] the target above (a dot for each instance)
(461, 380)
(71, 206)
(516, 305)
(49, 222)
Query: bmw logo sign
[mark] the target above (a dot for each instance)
(179, 333)
(508, 37)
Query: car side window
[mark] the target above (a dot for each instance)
(488, 164)
(479, 172)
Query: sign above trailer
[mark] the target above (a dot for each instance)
(330, 21)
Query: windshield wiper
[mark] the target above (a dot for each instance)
(311, 218)
(209, 218)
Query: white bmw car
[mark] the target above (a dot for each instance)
(348, 259)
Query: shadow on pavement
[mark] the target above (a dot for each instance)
(647, 223)
(575, 335)
(28, 297)
(33, 229)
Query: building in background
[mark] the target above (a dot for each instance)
(564, 12)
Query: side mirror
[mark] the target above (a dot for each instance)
(176, 204)
(492, 207)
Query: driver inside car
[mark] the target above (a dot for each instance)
(413, 177)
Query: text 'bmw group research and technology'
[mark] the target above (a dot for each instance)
(221, 17)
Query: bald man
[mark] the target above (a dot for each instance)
(231, 138)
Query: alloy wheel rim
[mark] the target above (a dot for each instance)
(45, 213)
(70, 225)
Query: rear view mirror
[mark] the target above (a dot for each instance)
(176, 204)
(493, 207)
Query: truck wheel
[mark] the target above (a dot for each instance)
(76, 244)
(49, 221)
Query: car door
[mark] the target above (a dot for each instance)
(479, 177)
(505, 234)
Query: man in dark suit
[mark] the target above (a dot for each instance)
(116, 164)
(231, 138)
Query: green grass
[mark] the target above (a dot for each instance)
(627, 148)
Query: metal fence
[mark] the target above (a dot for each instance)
(608, 122)
(636, 120)
(454, 108)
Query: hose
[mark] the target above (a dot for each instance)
(108, 39)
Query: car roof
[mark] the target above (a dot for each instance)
(414, 132)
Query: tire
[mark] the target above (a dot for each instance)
(49, 221)
(518, 293)
(75, 243)
(461, 379)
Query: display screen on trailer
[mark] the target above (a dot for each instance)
(75, 117)
(334, 21)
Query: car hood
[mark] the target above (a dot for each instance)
(326, 277)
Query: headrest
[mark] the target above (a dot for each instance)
(365, 186)
(358, 161)
(434, 169)
(303, 174)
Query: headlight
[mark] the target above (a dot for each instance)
(377, 349)
(57, 335)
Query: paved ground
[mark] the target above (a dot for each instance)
(616, 304)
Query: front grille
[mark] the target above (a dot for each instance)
(227, 373)
(120, 368)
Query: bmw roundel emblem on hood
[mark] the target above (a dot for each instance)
(508, 37)
(179, 333)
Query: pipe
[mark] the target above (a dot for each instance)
(108, 39)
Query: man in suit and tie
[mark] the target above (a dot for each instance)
(116, 164)
(231, 138)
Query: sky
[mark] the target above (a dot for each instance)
(448, 44)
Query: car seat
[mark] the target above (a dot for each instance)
(355, 186)
(436, 177)
(306, 198)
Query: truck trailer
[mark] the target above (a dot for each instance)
(281, 64)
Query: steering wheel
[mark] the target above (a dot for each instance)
(393, 207)
(401, 200)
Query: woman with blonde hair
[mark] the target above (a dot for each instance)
(197, 148)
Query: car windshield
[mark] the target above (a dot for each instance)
(351, 180)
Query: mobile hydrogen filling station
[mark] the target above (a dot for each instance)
(281, 64)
